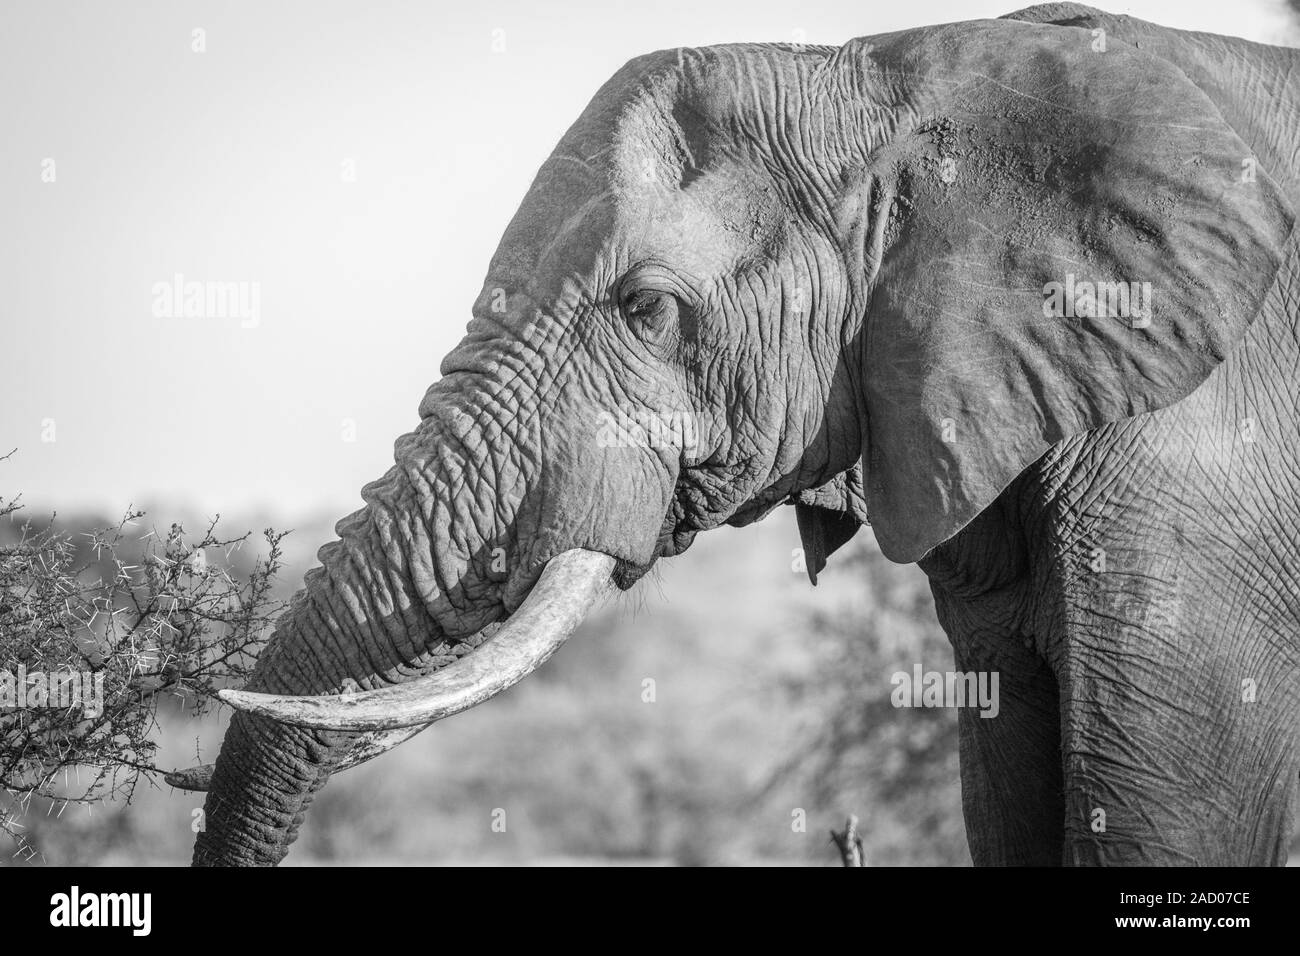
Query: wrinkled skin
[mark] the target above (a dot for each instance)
(832, 261)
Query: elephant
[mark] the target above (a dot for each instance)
(1019, 293)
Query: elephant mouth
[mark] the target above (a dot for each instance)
(683, 522)
(627, 574)
(675, 536)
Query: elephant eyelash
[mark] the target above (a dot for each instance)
(651, 309)
(643, 303)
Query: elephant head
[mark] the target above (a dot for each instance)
(751, 275)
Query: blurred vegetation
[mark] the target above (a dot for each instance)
(896, 768)
(134, 615)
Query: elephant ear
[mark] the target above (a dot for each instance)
(1043, 167)
(828, 516)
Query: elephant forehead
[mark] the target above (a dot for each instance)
(572, 228)
(725, 218)
(667, 116)
(665, 164)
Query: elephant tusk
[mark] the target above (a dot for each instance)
(367, 748)
(192, 778)
(372, 745)
(570, 584)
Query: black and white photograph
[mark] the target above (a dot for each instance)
(728, 433)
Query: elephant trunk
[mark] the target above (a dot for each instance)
(413, 577)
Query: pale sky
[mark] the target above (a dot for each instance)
(229, 165)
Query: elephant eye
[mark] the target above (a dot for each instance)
(644, 303)
(651, 310)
